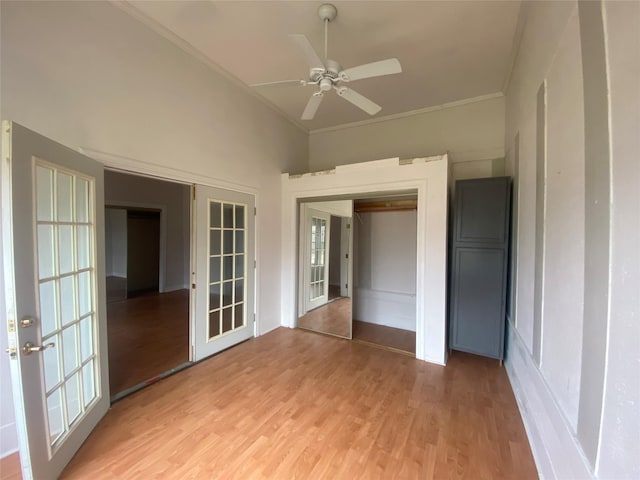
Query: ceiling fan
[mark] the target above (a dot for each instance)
(328, 74)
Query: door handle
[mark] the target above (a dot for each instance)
(29, 347)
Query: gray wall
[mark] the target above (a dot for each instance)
(472, 134)
(115, 228)
(575, 211)
(136, 191)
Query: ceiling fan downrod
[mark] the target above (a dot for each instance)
(327, 13)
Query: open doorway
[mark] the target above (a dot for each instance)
(147, 257)
(384, 299)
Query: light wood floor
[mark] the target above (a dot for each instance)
(333, 318)
(396, 338)
(294, 404)
(148, 335)
(10, 467)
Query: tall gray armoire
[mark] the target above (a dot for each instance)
(479, 258)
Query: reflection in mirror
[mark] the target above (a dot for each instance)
(324, 267)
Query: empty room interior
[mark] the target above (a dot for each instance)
(291, 239)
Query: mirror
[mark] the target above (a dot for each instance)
(325, 268)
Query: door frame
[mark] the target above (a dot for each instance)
(132, 166)
(428, 177)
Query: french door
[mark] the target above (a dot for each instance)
(53, 255)
(316, 271)
(225, 243)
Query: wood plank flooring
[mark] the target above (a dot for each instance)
(10, 467)
(397, 338)
(333, 318)
(148, 335)
(294, 404)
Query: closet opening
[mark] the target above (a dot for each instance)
(385, 256)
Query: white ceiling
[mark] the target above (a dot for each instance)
(449, 50)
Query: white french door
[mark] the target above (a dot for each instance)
(53, 254)
(225, 243)
(316, 278)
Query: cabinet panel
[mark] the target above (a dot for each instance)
(478, 306)
(481, 212)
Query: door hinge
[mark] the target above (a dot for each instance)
(193, 285)
(255, 211)
(346, 255)
(348, 225)
(254, 264)
(193, 189)
(346, 285)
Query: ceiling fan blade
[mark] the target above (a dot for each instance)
(358, 100)
(313, 59)
(312, 106)
(368, 70)
(284, 83)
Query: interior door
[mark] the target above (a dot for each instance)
(225, 243)
(53, 236)
(318, 230)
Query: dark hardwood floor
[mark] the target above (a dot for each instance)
(148, 335)
(294, 404)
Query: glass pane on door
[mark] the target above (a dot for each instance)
(227, 267)
(65, 222)
(317, 280)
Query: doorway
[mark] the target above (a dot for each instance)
(384, 299)
(147, 253)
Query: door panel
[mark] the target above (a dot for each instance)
(317, 236)
(225, 243)
(53, 235)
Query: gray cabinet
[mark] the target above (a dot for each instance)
(479, 257)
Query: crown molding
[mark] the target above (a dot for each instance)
(191, 50)
(410, 113)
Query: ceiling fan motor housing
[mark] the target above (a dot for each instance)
(328, 76)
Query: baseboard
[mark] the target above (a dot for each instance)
(8, 440)
(555, 448)
(173, 288)
(391, 309)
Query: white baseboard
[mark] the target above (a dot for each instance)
(391, 309)
(555, 448)
(8, 440)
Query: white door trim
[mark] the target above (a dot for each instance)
(426, 176)
(122, 164)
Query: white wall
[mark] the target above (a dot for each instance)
(173, 198)
(384, 253)
(88, 75)
(472, 134)
(560, 396)
(619, 455)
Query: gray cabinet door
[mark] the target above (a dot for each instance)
(479, 258)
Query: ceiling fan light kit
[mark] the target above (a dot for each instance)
(328, 75)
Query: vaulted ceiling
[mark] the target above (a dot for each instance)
(449, 50)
